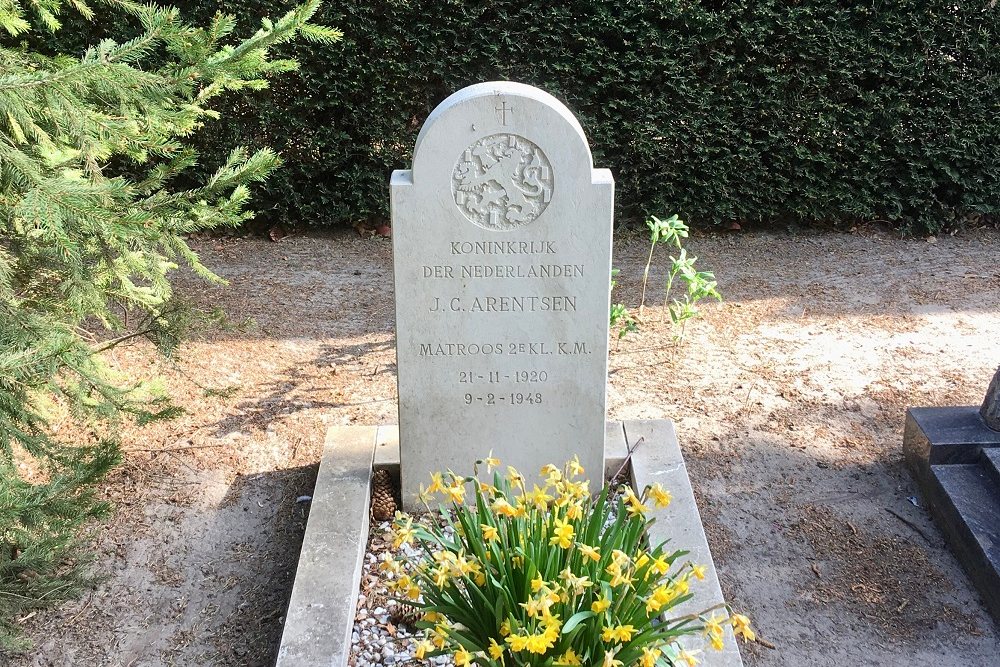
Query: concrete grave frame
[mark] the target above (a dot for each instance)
(320, 615)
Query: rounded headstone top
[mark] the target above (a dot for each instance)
(539, 142)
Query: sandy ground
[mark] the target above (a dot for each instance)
(789, 399)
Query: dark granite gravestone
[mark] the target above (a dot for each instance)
(954, 455)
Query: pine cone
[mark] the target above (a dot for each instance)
(383, 500)
(404, 614)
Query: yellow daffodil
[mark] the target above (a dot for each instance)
(423, 647)
(741, 626)
(389, 564)
(562, 534)
(577, 489)
(633, 504)
(552, 624)
(462, 658)
(496, 650)
(660, 565)
(609, 660)
(689, 657)
(522, 506)
(575, 469)
(424, 495)
(568, 659)
(503, 508)
(436, 485)
(404, 533)
(649, 656)
(713, 630)
(540, 498)
(407, 587)
(489, 532)
(456, 492)
(440, 635)
(534, 607)
(662, 595)
(617, 569)
(540, 643)
(618, 634)
(698, 571)
(491, 462)
(600, 604)
(517, 642)
(589, 552)
(577, 585)
(661, 497)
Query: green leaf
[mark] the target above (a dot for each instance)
(575, 620)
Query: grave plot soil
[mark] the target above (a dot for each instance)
(789, 400)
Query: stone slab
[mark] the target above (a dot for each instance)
(937, 435)
(964, 500)
(991, 461)
(657, 457)
(320, 614)
(501, 261)
(387, 449)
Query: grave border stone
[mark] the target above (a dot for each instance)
(320, 614)
(321, 608)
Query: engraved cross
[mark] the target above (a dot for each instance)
(502, 112)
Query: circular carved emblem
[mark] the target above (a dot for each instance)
(502, 182)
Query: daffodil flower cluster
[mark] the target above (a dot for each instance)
(511, 576)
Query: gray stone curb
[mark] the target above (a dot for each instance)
(656, 457)
(320, 613)
(321, 610)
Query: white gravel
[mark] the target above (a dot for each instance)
(379, 637)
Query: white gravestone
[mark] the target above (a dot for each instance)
(502, 261)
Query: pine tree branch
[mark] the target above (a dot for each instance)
(78, 240)
(115, 342)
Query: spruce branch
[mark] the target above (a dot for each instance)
(92, 217)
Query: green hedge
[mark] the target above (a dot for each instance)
(815, 111)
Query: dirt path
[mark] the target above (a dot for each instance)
(788, 397)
